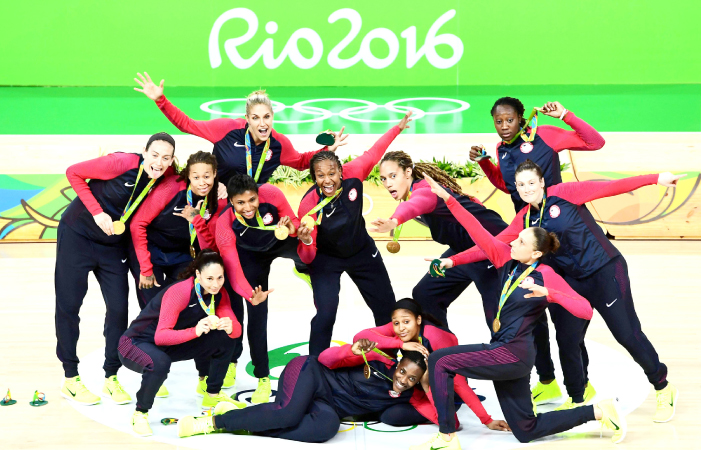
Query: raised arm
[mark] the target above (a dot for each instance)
(226, 242)
(561, 293)
(343, 356)
(174, 301)
(586, 191)
(223, 309)
(291, 157)
(582, 137)
(102, 168)
(361, 166)
(493, 173)
(383, 335)
(213, 130)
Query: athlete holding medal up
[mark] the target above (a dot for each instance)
(333, 238)
(90, 239)
(527, 287)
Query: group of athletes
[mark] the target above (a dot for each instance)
(200, 242)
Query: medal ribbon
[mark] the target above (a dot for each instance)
(398, 230)
(531, 122)
(542, 210)
(203, 210)
(249, 160)
(130, 208)
(321, 205)
(508, 289)
(376, 371)
(198, 290)
(259, 219)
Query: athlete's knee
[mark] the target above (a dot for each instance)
(327, 427)
(522, 430)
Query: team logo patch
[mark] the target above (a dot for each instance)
(207, 215)
(554, 211)
(526, 147)
(268, 219)
(528, 280)
(352, 195)
(269, 156)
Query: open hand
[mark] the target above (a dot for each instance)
(416, 347)
(188, 212)
(339, 139)
(536, 290)
(404, 123)
(148, 87)
(258, 295)
(147, 282)
(383, 225)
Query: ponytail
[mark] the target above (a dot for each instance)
(404, 161)
(545, 242)
(203, 259)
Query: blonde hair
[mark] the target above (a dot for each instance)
(259, 97)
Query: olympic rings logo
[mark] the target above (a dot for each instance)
(351, 113)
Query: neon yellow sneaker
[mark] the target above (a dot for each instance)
(613, 419)
(437, 442)
(304, 277)
(73, 389)
(569, 404)
(230, 378)
(202, 387)
(209, 401)
(225, 407)
(589, 393)
(115, 391)
(162, 392)
(666, 404)
(139, 423)
(263, 391)
(546, 393)
(190, 426)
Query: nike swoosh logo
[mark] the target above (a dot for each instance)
(243, 232)
(503, 156)
(71, 392)
(129, 185)
(438, 448)
(329, 214)
(376, 252)
(608, 305)
(236, 144)
(109, 390)
(537, 396)
(124, 260)
(614, 424)
(191, 306)
(178, 209)
(534, 222)
(490, 266)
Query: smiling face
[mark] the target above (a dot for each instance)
(530, 187)
(260, 122)
(506, 122)
(396, 180)
(523, 247)
(327, 176)
(211, 278)
(246, 204)
(406, 325)
(201, 176)
(157, 158)
(407, 374)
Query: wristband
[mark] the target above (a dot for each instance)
(564, 112)
(306, 243)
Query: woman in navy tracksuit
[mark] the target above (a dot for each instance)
(90, 239)
(334, 240)
(591, 264)
(528, 286)
(258, 227)
(234, 139)
(404, 181)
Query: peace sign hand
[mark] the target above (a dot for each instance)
(338, 140)
(148, 87)
(189, 212)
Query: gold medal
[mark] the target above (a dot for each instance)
(366, 372)
(393, 247)
(496, 325)
(118, 227)
(192, 252)
(308, 222)
(213, 322)
(282, 233)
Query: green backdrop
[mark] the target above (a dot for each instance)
(544, 42)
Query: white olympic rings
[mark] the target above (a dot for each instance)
(350, 113)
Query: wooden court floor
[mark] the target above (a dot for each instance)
(664, 275)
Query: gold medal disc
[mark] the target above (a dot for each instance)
(308, 222)
(192, 252)
(393, 247)
(118, 227)
(496, 325)
(282, 233)
(366, 372)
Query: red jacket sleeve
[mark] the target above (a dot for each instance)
(507, 236)
(223, 309)
(273, 195)
(226, 242)
(174, 301)
(423, 403)
(498, 252)
(361, 166)
(583, 136)
(337, 357)
(207, 229)
(291, 157)
(212, 130)
(383, 335)
(422, 201)
(561, 293)
(307, 253)
(585, 191)
(493, 172)
(151, 207)
(102, 168)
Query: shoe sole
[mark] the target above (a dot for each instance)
(260, 402)
(67, 397)
(549, 401)
(674, 410)
(125, 402)
(623, 424)
(163, 396)
(141, 435)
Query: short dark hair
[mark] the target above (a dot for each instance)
(326, 155)
(513, 103)
(240, 183)
(162, 136)
(415, 357)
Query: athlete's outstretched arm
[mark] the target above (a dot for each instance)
(582, 137)
(586, 191)
(383, 335)
(556, 290)
(343, 356)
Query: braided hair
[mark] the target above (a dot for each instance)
(202, 157)
(326, 155)
(419, 169)
(512, 103)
